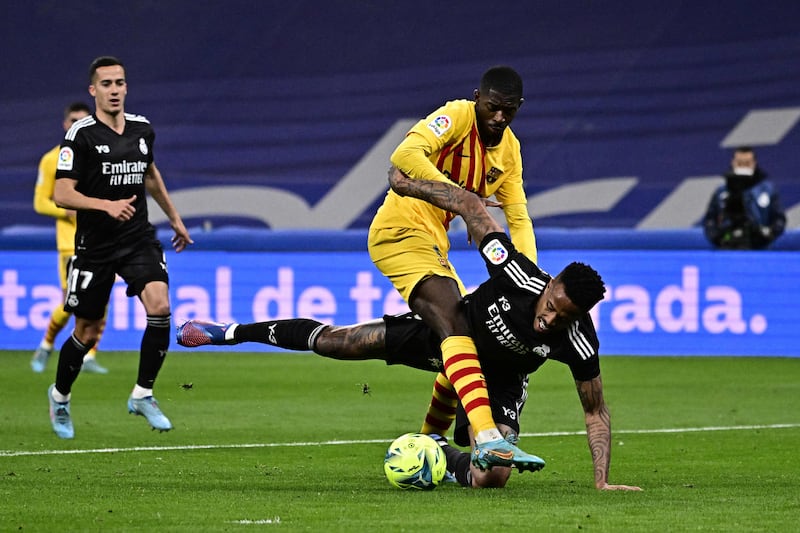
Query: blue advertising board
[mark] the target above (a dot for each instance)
(658, 302)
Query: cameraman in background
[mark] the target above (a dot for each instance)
(745, 213)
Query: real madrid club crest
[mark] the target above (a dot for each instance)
(143, 146)
(542, 351)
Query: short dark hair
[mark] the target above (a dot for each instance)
(502, 79)
(102, 61)
(582, 285)
(744, 150)
(77, 106)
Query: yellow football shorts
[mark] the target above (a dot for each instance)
(408, 256)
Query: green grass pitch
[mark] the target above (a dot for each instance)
(291, 442)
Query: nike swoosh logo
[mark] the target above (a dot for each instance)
(502, 455)
(465, 156)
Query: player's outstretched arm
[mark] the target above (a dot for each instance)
(598, 431)
(156, 188)
(450, 198)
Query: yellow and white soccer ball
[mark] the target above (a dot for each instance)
(415, 461)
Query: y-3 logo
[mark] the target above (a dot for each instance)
(510, 413)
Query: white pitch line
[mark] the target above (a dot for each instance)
(20, 453)
(260, 521)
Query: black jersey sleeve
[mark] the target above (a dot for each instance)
(71, 157)
(580, 349)
(497, 251)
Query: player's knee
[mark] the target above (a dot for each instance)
(88, 332)
(155, 298)
(495, 478)
(160, 308)
(328, 344)
(459, 326)
(333, 341)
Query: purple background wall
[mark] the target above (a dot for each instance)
(263, 108)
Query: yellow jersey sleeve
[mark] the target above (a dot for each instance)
(45, 183)
(411, 158)
(426, 144)
(44, 205)
(511, 193)
(520, 228)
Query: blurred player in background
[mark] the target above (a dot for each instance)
(467, 143)
(520, 319)
(105, 170)
(65, 243)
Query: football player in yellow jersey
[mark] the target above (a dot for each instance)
(65, 242)
(467, 143)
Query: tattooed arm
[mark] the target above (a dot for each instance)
(450, 198)
(598, 431)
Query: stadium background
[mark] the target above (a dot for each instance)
(275, 120)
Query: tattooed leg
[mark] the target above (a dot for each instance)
(354, 343)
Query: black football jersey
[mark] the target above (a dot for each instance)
(501, 316)
(110, 166)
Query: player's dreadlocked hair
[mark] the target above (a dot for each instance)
(583, 285)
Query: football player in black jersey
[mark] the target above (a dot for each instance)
(105, 168)
(519, 318)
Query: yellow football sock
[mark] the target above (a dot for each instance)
(58, 320)
(463, 369)
(442, 409)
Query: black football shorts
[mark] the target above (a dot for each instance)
(410, 342)
(89, 282)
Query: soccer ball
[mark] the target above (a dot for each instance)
(415, 461)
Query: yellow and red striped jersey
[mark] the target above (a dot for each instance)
(446, 146)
